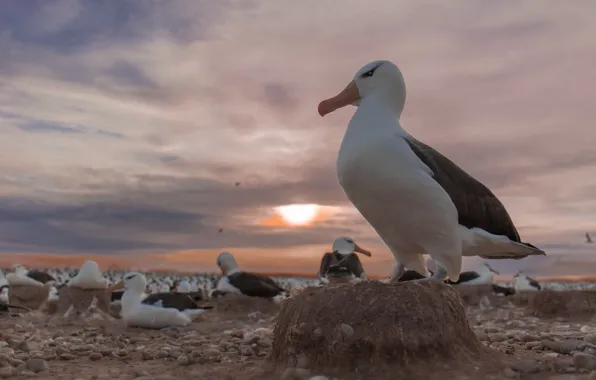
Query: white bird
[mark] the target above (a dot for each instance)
(418, 201)
(19, 277)
(183, 287)
(136, 313)
(89, 277)
(342, 261)
(521, 282)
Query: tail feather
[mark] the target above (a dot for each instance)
(514, 251)
(477, 242)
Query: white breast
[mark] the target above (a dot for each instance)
(225, 286)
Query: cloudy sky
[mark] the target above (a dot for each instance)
(124, 125)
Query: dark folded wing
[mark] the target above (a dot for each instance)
(40, 276)
(465, 277)
(476, 205)
(254, 285)
(410, 275)
(352, 264)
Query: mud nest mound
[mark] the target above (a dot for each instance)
(571, 303)
(241, 305)
(81, 299)
(29, 296)
(370, 326)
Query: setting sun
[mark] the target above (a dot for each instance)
(298, 214)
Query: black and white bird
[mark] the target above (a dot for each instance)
(343, 261)
(416, 199)
(249, 284)
(521, 282)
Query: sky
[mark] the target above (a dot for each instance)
(124, 125)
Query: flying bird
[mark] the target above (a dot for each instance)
(220, 230)
(237, 184)
(588, 238)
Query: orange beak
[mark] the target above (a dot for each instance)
(348, 96)
(116, 287)
(361, 250)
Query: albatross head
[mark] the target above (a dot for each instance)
(346, 246)
(378, 80)
(131, 281)
(19, 269)
(227, 263)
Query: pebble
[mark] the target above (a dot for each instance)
(527, 366)
(585, 361)
(37, 365)
(95, 356)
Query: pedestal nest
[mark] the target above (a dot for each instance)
(369, 326)
(29, 296)
(81, 299)
(238, 305)
(569, 303)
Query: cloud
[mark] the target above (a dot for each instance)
(124, 127)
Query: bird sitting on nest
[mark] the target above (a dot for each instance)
(417, 200)
(522, 282)
(342, 263)
(25, 290)
(86, 288)
(141, 314)
(249, 284)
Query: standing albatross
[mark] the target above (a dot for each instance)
(417, 200)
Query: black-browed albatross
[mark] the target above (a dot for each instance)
(417, 200)
(342, 261)
(236, 281)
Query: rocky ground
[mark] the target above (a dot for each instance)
(225, 346)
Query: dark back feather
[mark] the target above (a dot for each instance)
(40, 276)
(180, 301)
(476, 205)
(254, 285)
(464, 277)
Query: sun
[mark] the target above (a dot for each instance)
(298, 214)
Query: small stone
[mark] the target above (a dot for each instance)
(584, 361)
(95, 356)
(37, 365)
(7, 372)
(527, 366)
(498, 338)
(591, 338)
(346, 330)
(183, 360)
(510, 374)
(67, 356)
(147, 355)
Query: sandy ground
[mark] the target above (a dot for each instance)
(235, 345)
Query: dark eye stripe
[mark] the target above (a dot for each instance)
(370, 72)
(129, 277)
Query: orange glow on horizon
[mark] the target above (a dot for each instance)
(295, 217)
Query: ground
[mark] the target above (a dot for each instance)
(236, 345)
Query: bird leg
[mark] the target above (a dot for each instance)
(440, 275)
(398, 271)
